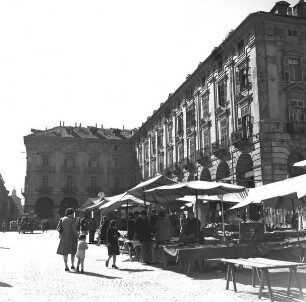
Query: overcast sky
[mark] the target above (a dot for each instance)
(106, 62)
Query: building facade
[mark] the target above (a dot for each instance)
(240, 116)
(66, 165)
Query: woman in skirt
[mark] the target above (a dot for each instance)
(112, 243)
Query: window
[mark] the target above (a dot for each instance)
(240, 47)
(45, 159)
(169, 157)
(116, 161)
(160, 140)
(116, 148)
(206, 134)
(169, 133)
(222, 93)
(69, 161)
(93, 181)
(69, 181)
(146, 151)
(192, 149)
(93, 162)
(203, 81)
(45, 181)
(292, 33)
(153, 145)
(117, 184)
(242, 81)
(292, 69)
(295, 69)
(191, 122)
(140, 155)
(205, 105)
(223, 130)
(180, 125)
(296, 110)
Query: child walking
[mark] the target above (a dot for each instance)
(80, 254)
(112, 243)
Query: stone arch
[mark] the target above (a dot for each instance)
(67, 202)
(205, 174)
(223, 171)
(293, 158)
(44, 208)
(245, 171)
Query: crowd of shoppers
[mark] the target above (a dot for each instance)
(140, 228)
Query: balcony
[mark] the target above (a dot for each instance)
(220, 148)
(296, 128)
(45, 189)
(69, 190)
(161, 150)
(93, 191)
(240, 138)
(205, 121)
(203, 155)
(170, 143)
(191, 130)
(222, 110)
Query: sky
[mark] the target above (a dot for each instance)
(108, 63)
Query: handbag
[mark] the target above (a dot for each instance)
(60, 227)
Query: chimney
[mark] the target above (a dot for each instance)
(75, 125)
(280, 8)
(80, 125)
(123, 127)
(60, 123)
(63, 124)
(299, 10)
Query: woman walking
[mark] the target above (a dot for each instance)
(67, 228)
(112, 243)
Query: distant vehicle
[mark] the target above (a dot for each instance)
(26, 224)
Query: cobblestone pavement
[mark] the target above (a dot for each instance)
(31, 271)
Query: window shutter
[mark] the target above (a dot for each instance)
(304, 70)
(286, 68)
(225, 92)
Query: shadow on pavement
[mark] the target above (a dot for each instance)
(2, 284)
(131, 270)
(99, 275)
(278, 295)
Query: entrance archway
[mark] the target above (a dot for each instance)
(245, 171)
(223, 171)
(67, 202)
(205, 175)
(44, 208)
(291, 170)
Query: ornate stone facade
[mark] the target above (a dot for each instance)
(66, 165)
(240, 116)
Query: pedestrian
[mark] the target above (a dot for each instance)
(112, 243)
(145, 232)
(80, 254)
(92, 227)
(67, 228)
(83, 226)
(103, 230)
(163, 229)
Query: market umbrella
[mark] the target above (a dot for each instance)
(231, 197)
(91, 204)
(196, 188)
(300, 164)
(139, 190)
(117, 201)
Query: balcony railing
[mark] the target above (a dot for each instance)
(220, 148)
(203, 155)
(296, 128)
(240, 138)
(45, 189)
(69, 190)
